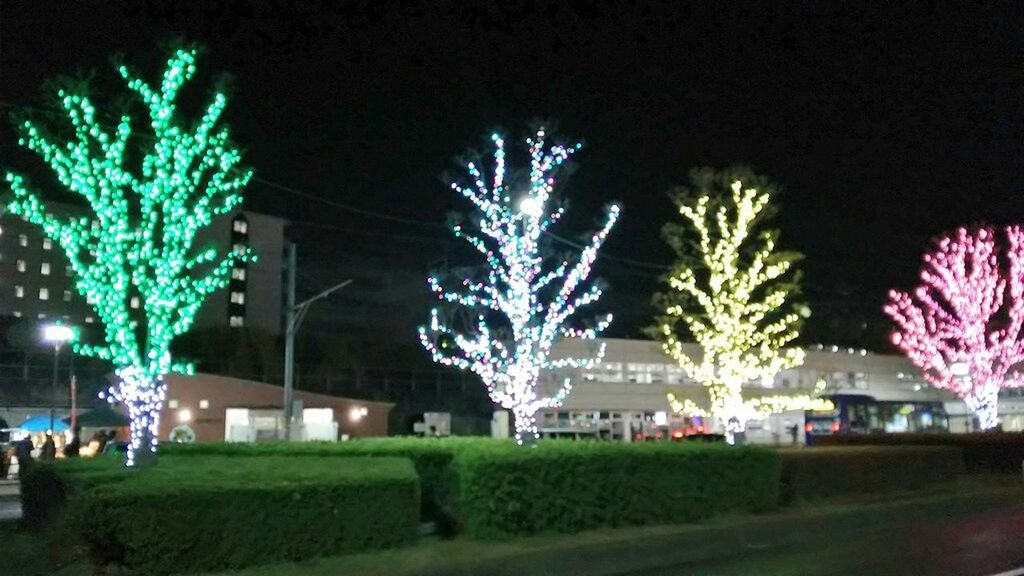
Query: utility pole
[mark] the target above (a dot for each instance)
(289, 344)
(294, 315)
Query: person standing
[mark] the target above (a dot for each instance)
(72, 448)
(49, 449)
(5, 461)
(23, 452)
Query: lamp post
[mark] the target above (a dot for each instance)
(58, 335)
(294, 315)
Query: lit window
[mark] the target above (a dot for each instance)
(240, 226)
(23, 239)
(67, 271)
(236, 321)
(47, 244)
(204, 404)
(239, 248)
(22, 266)
(44, 268)
(238, 273)
(41, 316)
(44, 293)
(67, 295)
(172, 403)
(89, 319)
(134, 302)
(95, 223)
(17, 313)
(238, 297)
(19, 291)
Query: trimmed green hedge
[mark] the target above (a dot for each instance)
(823, 472)
(566, 486)
(999, 452)
(432, 458)
(205, 513)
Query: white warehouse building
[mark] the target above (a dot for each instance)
(624, 397)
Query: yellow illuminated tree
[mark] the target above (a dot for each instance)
(733, 292)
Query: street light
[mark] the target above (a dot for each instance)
(531, 207)
(58, 335)
(294, 315)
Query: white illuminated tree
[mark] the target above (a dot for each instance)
(731, 290)
(526, 299)
(137, 245)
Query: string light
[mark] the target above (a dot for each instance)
(761, 407)
(961, 326)
(139, 243)
(519, 294)
(732, 312)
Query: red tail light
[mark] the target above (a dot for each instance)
(808, 427)
(700, 429)
(677, 434)
(835, 426)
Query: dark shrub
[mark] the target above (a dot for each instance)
(569, 487)
(432, 458)
(208, 513)
(999, 452)
(834, 471)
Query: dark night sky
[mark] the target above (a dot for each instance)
(885, 124)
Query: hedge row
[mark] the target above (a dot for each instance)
(206, 513)
(568, 487)
(432, 458)
(486, 487)
(825, 472)
(602, 484)
(999, 452)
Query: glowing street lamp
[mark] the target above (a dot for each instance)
(531, 207)
(57, 334)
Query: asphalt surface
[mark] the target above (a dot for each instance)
(10, 502)
(986, 544)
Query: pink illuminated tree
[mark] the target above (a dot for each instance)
(962, 326)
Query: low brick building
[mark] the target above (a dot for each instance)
(211, 405)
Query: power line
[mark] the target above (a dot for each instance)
(346, 207)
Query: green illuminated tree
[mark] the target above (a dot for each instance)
(138, 240)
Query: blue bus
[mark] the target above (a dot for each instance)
(862, 414)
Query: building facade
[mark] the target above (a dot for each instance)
(624, 397)
(36, 281)
(218, 408)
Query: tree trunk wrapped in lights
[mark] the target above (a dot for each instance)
(731, 290)
(523, 304)
(962, 325)
(138, 241)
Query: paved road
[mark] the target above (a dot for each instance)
(980, 545)
(10, 503)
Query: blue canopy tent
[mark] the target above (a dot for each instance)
(42, 424)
